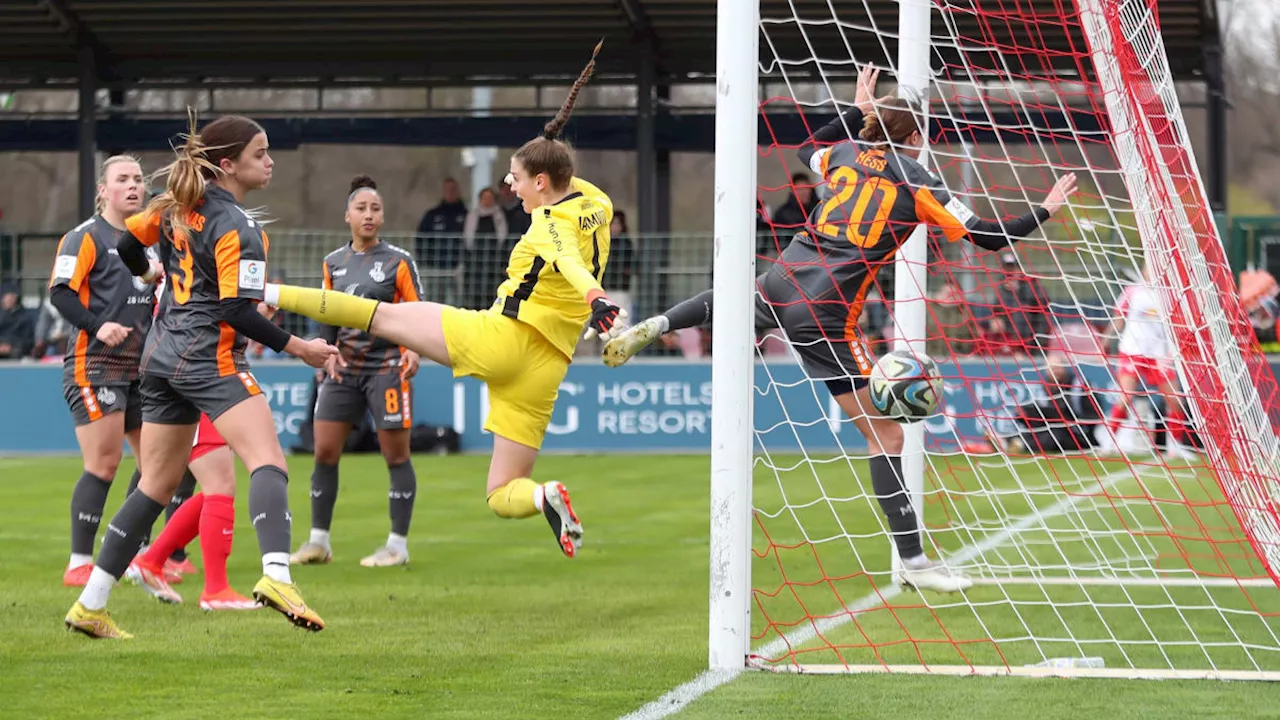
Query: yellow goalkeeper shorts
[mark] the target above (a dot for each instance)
(522, 369)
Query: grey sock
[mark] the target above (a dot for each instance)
(886, 480)
(269, 508)
(404, 488)
(123, 537)
(184, 492)
(324, 495)
(693, 312)
(87, 501)
(133, 485)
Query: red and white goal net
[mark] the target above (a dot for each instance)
(1136, 560)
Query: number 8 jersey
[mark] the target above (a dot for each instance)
(224, 257)
(877, 199)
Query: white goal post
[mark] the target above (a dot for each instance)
(1132, 563)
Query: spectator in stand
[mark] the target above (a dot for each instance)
(52, 331)
(950, 319)
(17, 331)
(484, 235)
(517, 219)
(1063, 421)
(438, 244)
(1021, 313)
(791, 216)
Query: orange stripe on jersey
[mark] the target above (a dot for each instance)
(82, 344)
(227, 255)
(405, 291)
(226, 341)
(144, 226)
(85, 259)
(328, 279)
(855, 307)
(931, 212)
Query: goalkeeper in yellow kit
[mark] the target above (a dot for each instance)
(521, 346)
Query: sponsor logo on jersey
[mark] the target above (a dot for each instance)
(376, 274)
(338, 273)
(253, 274)
(587, 222)
(392, 418)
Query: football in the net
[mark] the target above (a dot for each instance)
(905, 387)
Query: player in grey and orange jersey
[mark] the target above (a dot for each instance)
(370, 375)
(111, 311)
(194, 359)
(879, 194)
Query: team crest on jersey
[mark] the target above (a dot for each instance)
(106, 396)
(376, 273)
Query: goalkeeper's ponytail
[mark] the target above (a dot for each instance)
(548, 153)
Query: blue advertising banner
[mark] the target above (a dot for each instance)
(656, 406)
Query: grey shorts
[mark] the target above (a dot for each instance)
(171, 401)
(94, 402)
(386, 396)
(829, 346)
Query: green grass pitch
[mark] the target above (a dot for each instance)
(490, 621)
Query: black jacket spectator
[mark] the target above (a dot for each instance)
(517, 219)
(1064, 420)
(439, 237)
(17, 327)
(487, 251)
(618, 272)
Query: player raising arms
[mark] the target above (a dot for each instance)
(815, 291)
(112, 311)
(369, 375)
(194, 358)
(522, 345)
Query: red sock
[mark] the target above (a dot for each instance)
(178, 532)
(217, 527)
(1119, 411)
(1177, 429)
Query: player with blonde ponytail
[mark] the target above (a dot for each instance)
(521, 346)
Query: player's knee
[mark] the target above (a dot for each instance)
(328, 455)
(103, 462)
(888, 435)
(395, 456)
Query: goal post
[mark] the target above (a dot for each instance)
(1137, 561)
(737, 107)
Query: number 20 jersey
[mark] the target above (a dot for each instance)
(224, 257)
(877, 198)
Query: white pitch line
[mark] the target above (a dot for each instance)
(680, 698)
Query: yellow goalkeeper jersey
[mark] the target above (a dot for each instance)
(556, 263)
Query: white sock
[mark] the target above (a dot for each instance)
(320, 537)
(917, 562)
(97, 590)
(271, 294)
(664, 323)
(276, 567)
(538, 495)
(78, 560)
(398, 542)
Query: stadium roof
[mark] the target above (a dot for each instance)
(414, 42)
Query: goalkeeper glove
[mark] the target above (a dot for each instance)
(606, 318)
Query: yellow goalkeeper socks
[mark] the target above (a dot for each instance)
(327, 306)
(515, 499)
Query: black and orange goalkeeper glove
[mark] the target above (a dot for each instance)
(606, 318)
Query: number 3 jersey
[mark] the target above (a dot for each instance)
(876, 199)
(224, 256)
(89, 265)
(383, 272)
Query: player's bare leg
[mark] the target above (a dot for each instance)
(250, 431)
(404, 488)
(884, 446)
(164, 454)
(513, 494)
